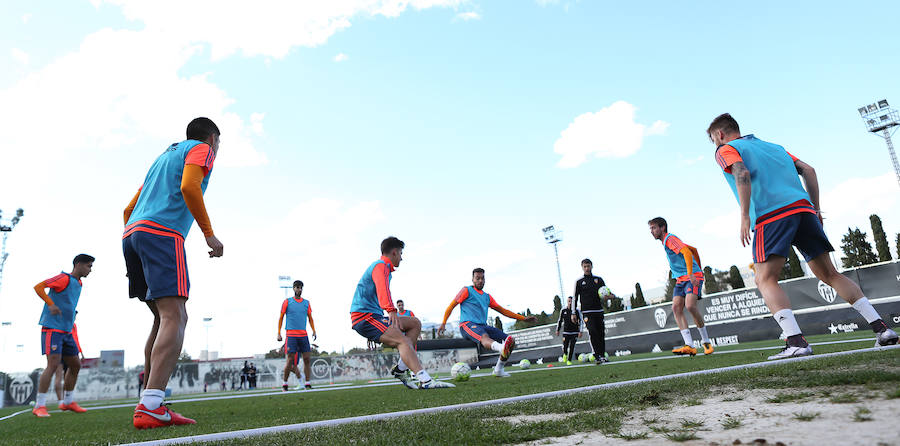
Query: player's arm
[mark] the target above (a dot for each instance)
(688, 259)
(381, 275)
(510, 314)
(284, 306)
(810, 180)
(75, 337)
(130, 208)
(462, 295)
(57, 283)
(197, 165)
(312, 323)
(559, 323)
(731, 162)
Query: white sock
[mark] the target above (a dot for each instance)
(67, 396)
(686, 336)
(423, 376)
(785, 319)
(500, 364)
(41, 399)
(285, 383)
(866, 310)
(703, 335)
(402, 365)
(152, 398)
(497, 347)
(308, 383)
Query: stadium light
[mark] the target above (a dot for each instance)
(6, 229)
(553, 237)
(882, 120)
(207, 321)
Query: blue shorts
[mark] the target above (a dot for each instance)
(474, 332)
(803, 230)
(370, 325)
(686, 287)
(58, 342)
(155, 264)
(297, 344)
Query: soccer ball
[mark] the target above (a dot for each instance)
(460, 371)
(591, 358)
(604, 291)
(562, 358)
(582, 357)
(524, 364)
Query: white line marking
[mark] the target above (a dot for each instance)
(383, 416)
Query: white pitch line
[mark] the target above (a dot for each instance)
(392, 382)
(430, 410)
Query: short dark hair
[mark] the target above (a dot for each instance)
(399, 301)
(725, 123)
(477, 270)
(659, 221)
(391, 243)
(82, 258)
(298, 282)
(588, 261)
(202, 128)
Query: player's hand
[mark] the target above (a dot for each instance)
(215, 245)
(314, 336)
(531, 319)
(441, 329)
(745, 230)
(394, 319)
(557, 332)
(54, 310)
(695, 281)
(579, 334)
(819, 216)
(573, 318)
(279, 337)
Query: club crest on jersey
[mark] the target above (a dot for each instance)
(53, 347)
(596, 280)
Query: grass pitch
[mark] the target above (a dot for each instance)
(606, 408)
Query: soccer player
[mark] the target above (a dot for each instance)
(57, 342)
(157, 220)
(587, 290)
(684, 263)
(780, 212)
(298, 310)
(402, 311)
(570, 324)
(372, 298)
(474, 303)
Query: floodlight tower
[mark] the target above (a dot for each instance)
(5, 229)
(553, 237)
(882, 120)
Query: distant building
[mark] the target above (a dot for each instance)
(112, 358)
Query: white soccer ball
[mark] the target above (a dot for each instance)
(460, 371)
(31, 402)
(562, 358)
(604, 291)
(524, 364)
(591, 358)
(582, 357)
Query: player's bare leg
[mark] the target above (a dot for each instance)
(822, 267)
(307, 369)
(40, 406)
(393, 337)
(73, 366)
(58, 382)
(777, 301)
(288, 368)
(690, 304)
(678, 304)
(148, 347)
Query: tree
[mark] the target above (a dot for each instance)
(670, 286)
(710, 285)
(275, 353)
(881, 243)
(184, 357)
(498, 323)
(637, 300)
(734, 278)
(897, 244)
(794, 268)
(615, 305)
(557, 304)
(857, 250)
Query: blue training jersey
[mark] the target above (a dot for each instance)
(65, 290)
(473, 305)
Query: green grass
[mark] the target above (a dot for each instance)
(691, 424)
(805, 416)
(732, 423)
(862, 414)
(608, 408)
(789, 397)
(845, 398)
(633, 436)
(682, 436)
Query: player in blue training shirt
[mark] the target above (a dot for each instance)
(402, 311)
(780, 213)
(298, 310)
(156, 223)
(474, 303)
(57, 339)
(372, 299)
(684, 264)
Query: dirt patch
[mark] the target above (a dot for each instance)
(870, 420)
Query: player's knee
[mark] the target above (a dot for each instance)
(691, 306)
(678, 307)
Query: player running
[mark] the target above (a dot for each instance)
(57, 341)
(570, 324)
(297, 310)
(474, 303)
(402, 311)
(156, 223)
(684, 263)
(763, 178)
(372, 298)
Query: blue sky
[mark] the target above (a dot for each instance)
(463, 127)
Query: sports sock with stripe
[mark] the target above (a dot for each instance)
(686, 336)
(865, 308)
(67, 396)
(703, 335)
(786, 321)
(402, 365)
(41, 399)
(496, 346)
(423, 376)
(152, 398)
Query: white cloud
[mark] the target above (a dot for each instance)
(20, 56)
(26, 17)
(340, 57)
(610, 132)
(685, 162)
(256, 125)
(466, 16)
(268, 28)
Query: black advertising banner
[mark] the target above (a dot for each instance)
(725, 312)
